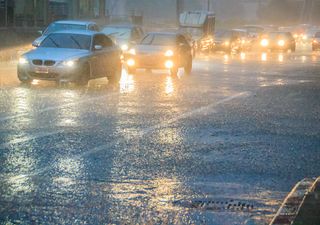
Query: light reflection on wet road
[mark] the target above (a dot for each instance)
(130, 153)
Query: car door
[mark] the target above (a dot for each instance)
(184, 50)
(98, 55)
(111, 55)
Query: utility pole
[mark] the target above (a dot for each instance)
(178, 10)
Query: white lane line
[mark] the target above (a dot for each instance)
(28, 138)
(5, 118)
(201, 110)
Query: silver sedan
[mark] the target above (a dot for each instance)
(72, 56)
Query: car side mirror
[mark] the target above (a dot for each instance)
(97, 47)
(35, 44)
(40, 32)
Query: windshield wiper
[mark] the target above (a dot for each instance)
(55, 43)
(75, 41)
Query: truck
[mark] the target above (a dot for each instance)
(200, 27)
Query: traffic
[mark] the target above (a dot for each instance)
(78, 51)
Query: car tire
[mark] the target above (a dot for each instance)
(84, 77)
(115, 76)
(24, 79)
(188, 67)
(174, 71)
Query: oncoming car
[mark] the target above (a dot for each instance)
(124, 35)
(283, 41)
(316, 42)
(161, 51)
(71, 56)
(65, 25)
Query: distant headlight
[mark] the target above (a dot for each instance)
(69, 63)
(169, 64)
(131, 62)
(23, 61)
(281, 43)
(124, 47)
(132, 51)
(264, 42)
(226, 43)
(169, 53)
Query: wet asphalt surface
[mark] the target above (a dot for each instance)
(221, 146)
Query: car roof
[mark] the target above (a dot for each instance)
(164, 33)
(78, 22)
(121, 25)
(84, 32)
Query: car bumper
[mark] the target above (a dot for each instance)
(51, 73)
(151, 62)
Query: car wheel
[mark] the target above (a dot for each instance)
(84, 77)
(174, 71)
(115, 76)
(188, 67)
(24, 79)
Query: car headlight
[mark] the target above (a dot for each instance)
(131, 62)
(169, 64)
(69, 63)
(281, 42)
(264, 42)
(226, 43)
(132, 51)
(169, 53)
(124, 47)
(23, 60)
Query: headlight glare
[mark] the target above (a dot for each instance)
(69, 63)
(23, 61)
(281, 42)
(132, 51)
(124, 47)
(264, 42)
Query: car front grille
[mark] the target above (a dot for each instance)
(39, 62)
(44, 75)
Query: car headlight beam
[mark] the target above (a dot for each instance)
(23, 61)
(169, 64)
(281, 43)
(69, 63)
(264, 42)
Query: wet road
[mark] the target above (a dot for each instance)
(221, 146)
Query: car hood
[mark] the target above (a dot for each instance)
(57, 54)
(153, 49)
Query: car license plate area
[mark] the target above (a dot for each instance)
(41, 69)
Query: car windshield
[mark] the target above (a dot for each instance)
(63, 26)
(278, 35)
(73, 41)
(193, 31)
(117, 32)
(223, 34)
(159, 39)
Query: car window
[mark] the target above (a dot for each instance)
(117, 32)
(74, 41)
(159, 39)
(102, 40)
(62, 26)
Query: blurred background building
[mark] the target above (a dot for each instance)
(38, 13)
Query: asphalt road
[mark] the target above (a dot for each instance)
(221, 146)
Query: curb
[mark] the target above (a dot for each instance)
(293, 202)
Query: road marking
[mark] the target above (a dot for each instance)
(201, 110)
